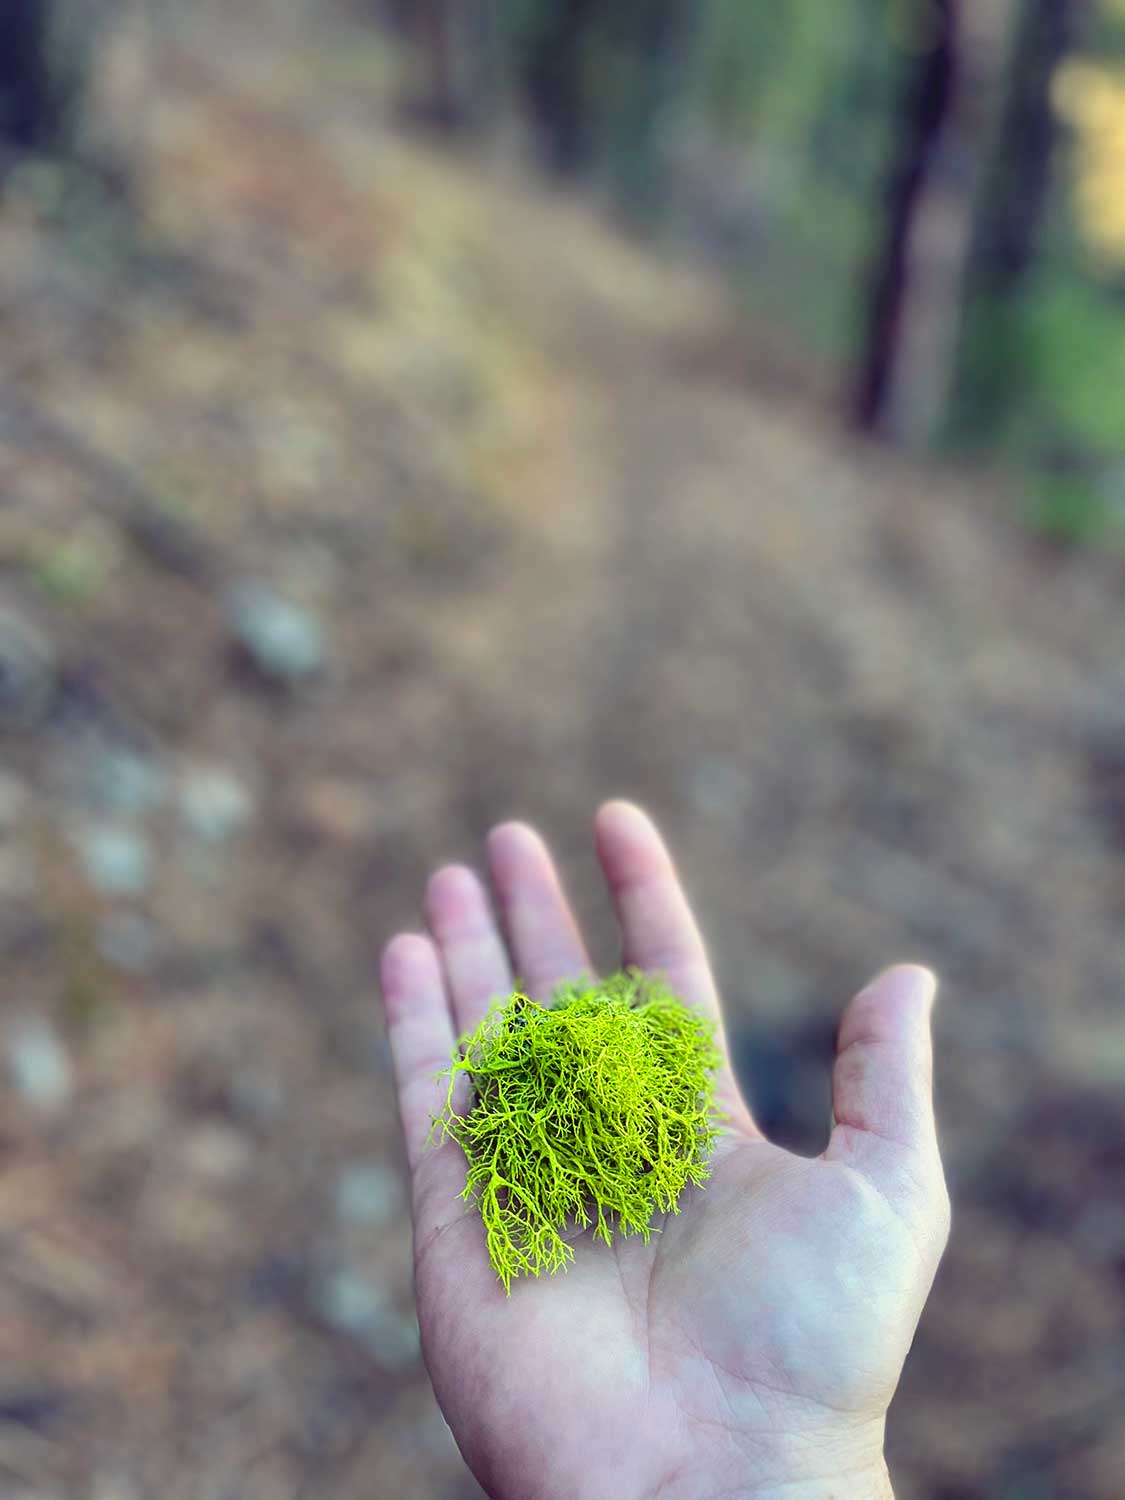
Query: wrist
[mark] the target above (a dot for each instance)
(799, 1470)
(872, 1483)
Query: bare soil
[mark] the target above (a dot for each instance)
(569, 533)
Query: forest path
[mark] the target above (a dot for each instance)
(570, 530)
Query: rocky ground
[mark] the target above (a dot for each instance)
(356, 494)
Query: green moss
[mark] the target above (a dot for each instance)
(597, 1109)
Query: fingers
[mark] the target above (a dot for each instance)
(546, 944)
(659, 932)
(420, 1031)
(658, 929)
(882, 1084)
(460, 918)
(420, 1028)
(883, 1080)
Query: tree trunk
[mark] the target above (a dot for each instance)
(554, 70)
(46, 52)
(27, 114)
(926, 96)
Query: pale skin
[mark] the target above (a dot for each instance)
(753, 1346)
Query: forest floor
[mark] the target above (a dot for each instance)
(531, 519)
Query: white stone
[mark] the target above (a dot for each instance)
(40, 1069)
(116, 859)
(284, 641)
(214, 804)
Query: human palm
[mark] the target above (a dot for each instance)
(753, 1345)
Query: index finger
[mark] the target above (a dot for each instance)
(659, 932)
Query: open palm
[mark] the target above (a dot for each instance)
(752, 1347)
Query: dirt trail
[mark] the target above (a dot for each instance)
(567, 538)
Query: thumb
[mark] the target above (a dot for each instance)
(882, 1084)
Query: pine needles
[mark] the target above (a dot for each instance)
(596, 1109)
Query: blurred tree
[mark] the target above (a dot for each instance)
(28, 113)
(927, 88)
(45, 53)
(552, 57)
(598, 77)
(1008, 217)
(879, 185)
(778, 152)
(741, 53)
(654, 44)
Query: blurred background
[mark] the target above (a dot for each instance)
(422, 413)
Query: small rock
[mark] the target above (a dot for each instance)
(368, 1195)
(352, 1304)
(127, 781)
(39, 1067)
(95, 771)
(348, 1301)
(282, 640)
(214, 804)
(128, 941)
(116, 859)
(27, 672)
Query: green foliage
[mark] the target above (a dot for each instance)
(807, 119)
(1073, 509)
(739, 54)
(597, 1109)
(1041, 360)
(1075, 343)
(812, 109)
(1040, 380)
(1105, 29)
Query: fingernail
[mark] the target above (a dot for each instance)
(911, 984)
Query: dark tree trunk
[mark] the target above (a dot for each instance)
(44, 71)
(554, 80)
(926, 97)
(27, 107)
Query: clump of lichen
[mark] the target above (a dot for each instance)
(595, 1109)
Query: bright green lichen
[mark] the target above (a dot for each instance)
(596, 1109)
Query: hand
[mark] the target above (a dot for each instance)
(753, 1346)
